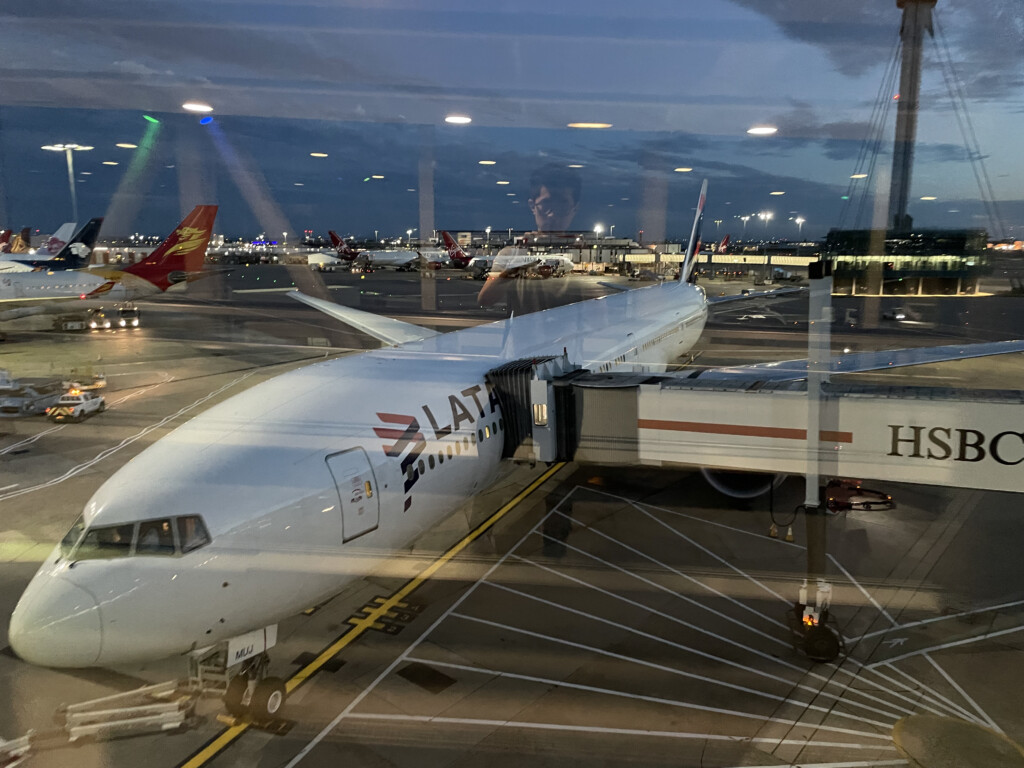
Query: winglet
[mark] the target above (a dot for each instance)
(385, 329)
(686, 268)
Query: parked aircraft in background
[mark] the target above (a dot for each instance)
(343, 249)
(74, 254)
(178, 259)
(458, 257)
(275, 499)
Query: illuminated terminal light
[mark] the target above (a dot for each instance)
(458, 119)
(762, 130)
(859, 176)
(126, 145)
(196, 106)
(776, 193)
(682, 170)
(487, 162)
(205, 120)
(503, 182)
(318, 154)
(150, 118)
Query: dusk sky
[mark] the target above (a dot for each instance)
(369, 82)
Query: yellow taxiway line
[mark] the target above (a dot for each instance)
(363, 623)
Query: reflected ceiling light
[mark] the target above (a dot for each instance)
(376, 176)
(776, 193)
(503, 182)
(150, 119)
(576, 165)
(859, 176)
(487, 162)
(458, 119)
(205, 120)
(65, 147)
(510, 194)
(682, 170)
(126, 145)
(929, 197)
(85, 173)
(298, 184)
(196, 106)
(410, 189)
(109, 162)
(318, 154)
(762, 130)
(589, 125)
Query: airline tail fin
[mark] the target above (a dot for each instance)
(457, 256)
(343, 249)
(724, 244)
(5, 238)
(55, 243)
(75, 253)
(181, 255)
(686, 268)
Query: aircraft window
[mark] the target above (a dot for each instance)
(480, 435)
(101, 543)
(430, 460)
(440, 457)
(423, 467)
(156, 537)
(465, 442)
(494, 428)
(67, 544)
(458, 449)
(449, 451)
(192, 533)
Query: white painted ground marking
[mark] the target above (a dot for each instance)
(863, 591)
(686, 576)
(717, 659)
(959, 615)
(671, 670)
(943, 646)
(525, 724)
(854, 764)
(918, 700)
(347, 711)
(952, 706)
(659, 700)
(720, 559)
(8, 487)
(745, 532)
(744, 647)
(991, 723)
(107, 452)
(30, 440)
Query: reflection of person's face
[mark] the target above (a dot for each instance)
(553, 209)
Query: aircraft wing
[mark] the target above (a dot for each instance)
(858, 362)
(385, 329)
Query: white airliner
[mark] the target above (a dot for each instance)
(178, 259)
(275, 499)
(50, 247)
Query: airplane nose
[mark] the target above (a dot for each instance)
(56, 624)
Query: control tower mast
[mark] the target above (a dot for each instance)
(917, 19)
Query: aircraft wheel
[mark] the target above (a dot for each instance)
(268, 699)
(102, 408)
(234, 694)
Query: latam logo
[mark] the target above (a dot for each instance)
(406, 436)
(955, 444)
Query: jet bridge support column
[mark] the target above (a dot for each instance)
(810, 625)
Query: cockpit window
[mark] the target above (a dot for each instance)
(192, 533)
(156, 537)
(67, 544)
(103, 543)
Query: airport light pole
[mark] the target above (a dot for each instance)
(598, 229)
(766, 216)
(744, 219)
(488, 231)
(800, 226)
(611, 231)
(68, 150)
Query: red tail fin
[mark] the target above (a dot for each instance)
(343, 249)
(181, 253)
(458, 256)
(5, 236)
(724, 244)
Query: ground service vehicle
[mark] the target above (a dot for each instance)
(75, 405)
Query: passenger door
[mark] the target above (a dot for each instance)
(357, 492)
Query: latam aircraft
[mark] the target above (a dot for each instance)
(275, 499)
(177, 259)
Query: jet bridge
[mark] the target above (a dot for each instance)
(930, 435)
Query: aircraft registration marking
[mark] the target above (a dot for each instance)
(222, 741)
